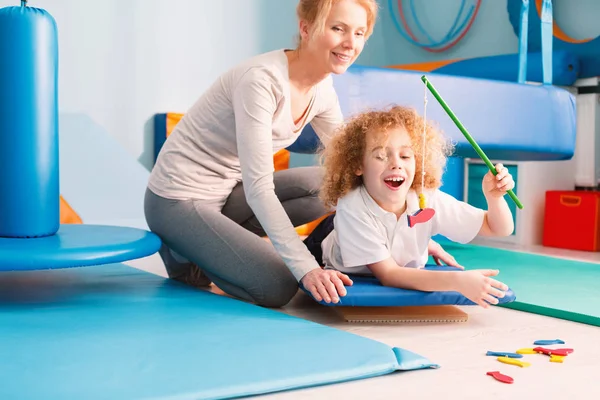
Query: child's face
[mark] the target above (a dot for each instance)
(388, 169)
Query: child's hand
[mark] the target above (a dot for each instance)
(440, 255)
(497, 185)
(479, 288)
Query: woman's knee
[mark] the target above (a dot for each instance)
(278, 293)
(298, 182)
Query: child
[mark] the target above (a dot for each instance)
(373, 175)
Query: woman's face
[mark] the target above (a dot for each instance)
(343, 37)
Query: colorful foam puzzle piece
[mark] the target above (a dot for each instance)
(500, 377)
(548, 342)
(503, 354)
(526, 351)
(512, 361)
(553, 352)
(556, 359)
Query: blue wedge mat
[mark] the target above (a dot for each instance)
(509, 121)
(115, 332)
(367, 291)
(77, 246)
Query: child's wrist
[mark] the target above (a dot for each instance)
(453, 281)
(493, 200)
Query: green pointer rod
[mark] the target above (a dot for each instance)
(460, 126)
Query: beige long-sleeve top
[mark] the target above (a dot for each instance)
(231, 134)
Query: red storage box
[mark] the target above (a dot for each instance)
(571, 220)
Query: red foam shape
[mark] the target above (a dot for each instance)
(421, 216)
(568, 351)
(556, 352)
(500, 377)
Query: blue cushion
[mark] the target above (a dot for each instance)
(367, 291)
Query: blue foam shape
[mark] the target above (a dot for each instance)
(77, 246)
(505, 67)
(29, 188)
(160, 132)
(120, 333)
(548, 342)
(588, 52)
(503, 354)
(509, 121)
(367, 291)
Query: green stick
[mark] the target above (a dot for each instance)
(460, 126)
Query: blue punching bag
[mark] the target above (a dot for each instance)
(29, 184)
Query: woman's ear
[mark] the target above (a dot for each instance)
(304, 30)
(358, 171)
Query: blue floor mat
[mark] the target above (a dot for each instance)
(114, 332)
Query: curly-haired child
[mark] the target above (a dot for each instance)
(373, 177)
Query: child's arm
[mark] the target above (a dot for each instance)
(498, 219)
(476, 285)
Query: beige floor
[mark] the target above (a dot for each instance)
(459, 348)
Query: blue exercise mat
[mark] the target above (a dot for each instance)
(367, 291)
(115, 332)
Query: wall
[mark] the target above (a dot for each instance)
(490, 34)
(123, 61)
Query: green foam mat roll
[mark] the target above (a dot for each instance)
(545, 285)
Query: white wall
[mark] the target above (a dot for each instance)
(121, 61)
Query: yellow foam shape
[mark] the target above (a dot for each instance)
(514, 361)
(526, 351)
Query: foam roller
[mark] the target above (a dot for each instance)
(29, 178)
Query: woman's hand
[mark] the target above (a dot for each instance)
(326, 285)
(439, 254)
(477, 286)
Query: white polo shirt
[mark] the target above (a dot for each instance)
(365, 233)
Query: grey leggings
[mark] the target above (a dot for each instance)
(227, 245)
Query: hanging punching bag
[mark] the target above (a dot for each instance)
(29, 184)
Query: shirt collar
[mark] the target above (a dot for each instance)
(412, 203)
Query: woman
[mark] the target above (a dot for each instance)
(213, 191)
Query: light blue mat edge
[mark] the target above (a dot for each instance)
(406, 361)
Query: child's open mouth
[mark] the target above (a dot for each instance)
(394, 182)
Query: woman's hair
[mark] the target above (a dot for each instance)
(344, 154)
(315, 12)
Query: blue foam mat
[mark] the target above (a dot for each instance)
(509, 121)
(565, 67)
(119, 333)
(367, 291)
